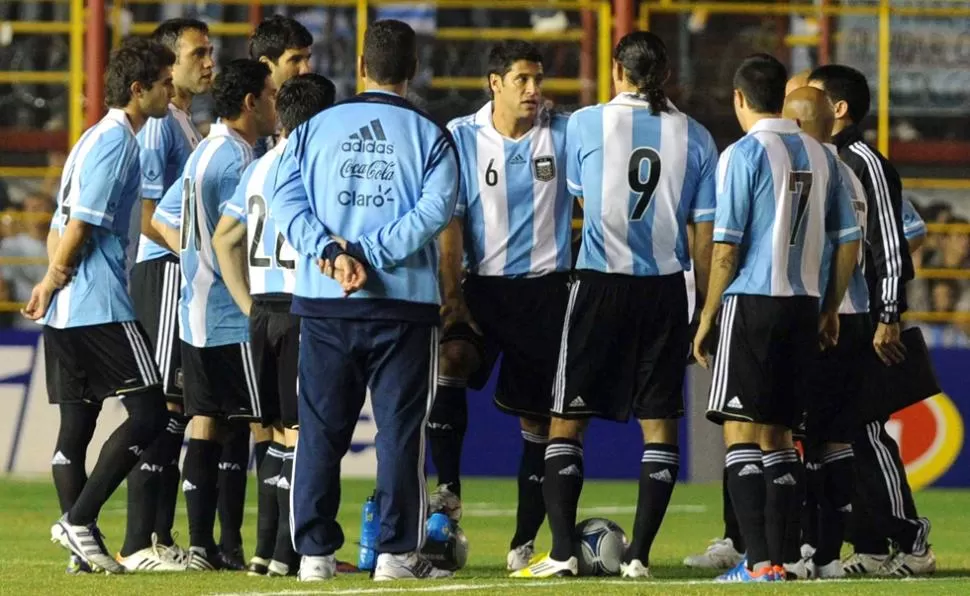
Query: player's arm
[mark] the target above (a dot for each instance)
(703, 211)
(734, 187)
(913, 226)
(392, 243)
(167, 217)
(229, 244)
(154, 141)
(842, 229)
(885, 238)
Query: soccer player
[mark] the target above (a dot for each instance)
(363, 190)
(165, 145)
(94, 346)
(282, 44)
(645, 173)
(259, 268)
(779, 195)
(883, 505)
(220, 385)
(831, 418)
(515, 209)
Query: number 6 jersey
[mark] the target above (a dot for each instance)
(512, 198)
(641, 177)
(271, 259)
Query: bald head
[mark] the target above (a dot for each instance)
(813, 111)
(797, 81)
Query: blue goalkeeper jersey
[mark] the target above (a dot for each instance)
(208, 316)
(270, 258)
(166, 144)
(780, 197)
(382, 175)
(642, 177)
(513, 202)
(99, 186)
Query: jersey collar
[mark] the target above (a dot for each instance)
(219, 129)
(635, 100)
(119, 115)
(832, 148)
(483, 117)
(779, 125)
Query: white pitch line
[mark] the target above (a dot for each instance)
(545, 584)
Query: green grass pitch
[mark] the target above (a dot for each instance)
(30, 564)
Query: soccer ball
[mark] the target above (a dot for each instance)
(602, 544)
(446, 547)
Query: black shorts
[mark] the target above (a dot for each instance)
(623, 349)
(275, 340)
(155, 294)
(220, 382)
(89, 364)
(521, 319)
(832, 412)
(765, 359)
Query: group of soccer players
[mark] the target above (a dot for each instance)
(324, 255)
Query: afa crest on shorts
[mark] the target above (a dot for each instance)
(544, 168)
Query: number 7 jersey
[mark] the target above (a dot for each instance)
(641, 177)
(271, 259)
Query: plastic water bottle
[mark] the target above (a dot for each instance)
(439, 527)
(370, 528)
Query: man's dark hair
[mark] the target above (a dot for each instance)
(762, 79)
(302, 97)
(137, 59)
(238, 79)
(503, 55)
(275, 35)
(844, 83)
(644, 59)
(168, 32)
(390, 52)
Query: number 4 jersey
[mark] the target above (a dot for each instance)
(641, 177)
(272, 261)
(208, 317)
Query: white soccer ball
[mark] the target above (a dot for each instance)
(601, 546)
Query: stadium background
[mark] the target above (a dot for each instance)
(915, 53)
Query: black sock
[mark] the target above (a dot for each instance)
(781, 488)
(173, 436)
(731, 528)
(268, 511)
(792, 549)
(78, 422)
(200, 487)
(446, 431)
(531, 508)
(284, 552)
(561, 486)
(260, 449)
(658, 474)
(146, 419)
(835, 503)
(809, 513)
(233, 470)
(746, 481)
(144, 490)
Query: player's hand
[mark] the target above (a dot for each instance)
(454, 311)
(828, 330)
(889, 347)
(702, 340)
(345, 270)
(40, 300)
(60, 275)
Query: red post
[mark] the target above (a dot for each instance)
(95, 62)
(255, 13)
(624, 14)
(824, 36)
(587, 59)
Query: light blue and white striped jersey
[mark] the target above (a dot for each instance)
(641, 177)
(208, 316)
(100, 186)
(379, 173)
(166, 144)
(779, 195)
(272, 261)
(513, 201)
(913, 224)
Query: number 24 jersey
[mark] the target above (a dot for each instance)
(641, 177)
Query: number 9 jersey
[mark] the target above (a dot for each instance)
(271, 259)
(641, 177)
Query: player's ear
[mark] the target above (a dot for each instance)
(249, 102)
(841, 109)
(738, 98)
(493, 82)
(361, 67)
(137, 89)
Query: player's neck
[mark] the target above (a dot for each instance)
(135, 116)
(397, 89)
(625, 87)
(839, 126)
(245, 128)
(182, 99)
(510, 126)
(752, 118)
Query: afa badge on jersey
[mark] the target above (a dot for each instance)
(544, 168)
